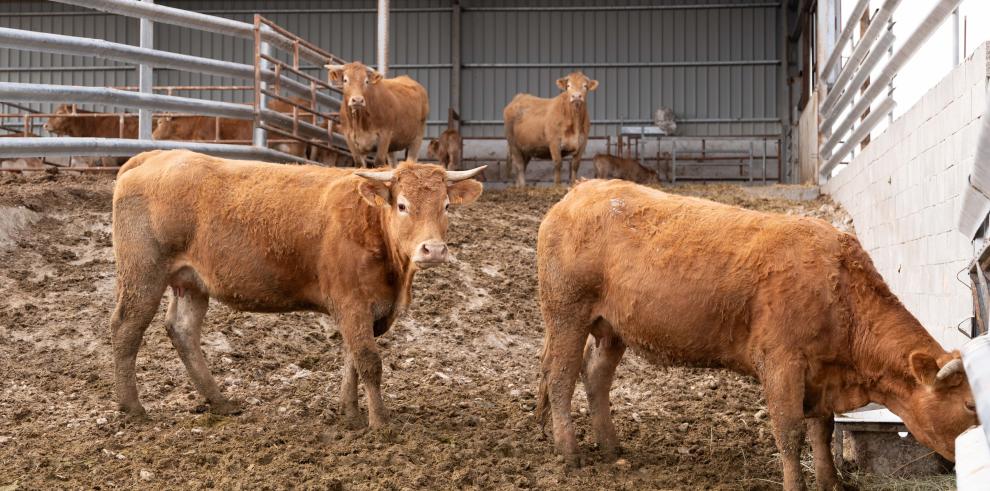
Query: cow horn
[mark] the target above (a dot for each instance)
(460, 175)
(949, 368)
(383, 176)
(333, 66)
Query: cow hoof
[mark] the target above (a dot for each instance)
(135, 414)
(610, 455)
(226, 408)
(384, 432)
(572, 461)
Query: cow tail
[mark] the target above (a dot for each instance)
(137, 160)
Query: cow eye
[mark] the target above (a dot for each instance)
(367, 81)
(402, 208)
(346, 80)
(446, 207)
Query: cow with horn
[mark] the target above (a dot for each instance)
(380, 114)
(338, 241)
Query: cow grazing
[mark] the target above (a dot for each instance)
(549, 128)
(64, 124)
(788, 300)
(612, 167)
(447, 149)
(330, 240)
(387, 114)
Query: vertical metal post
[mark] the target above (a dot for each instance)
(260, 136)
(764, 160)
(455, 58)
(145, 76)
(955, 37)
(673, 162)
(783, 87)
(751, 161)
(383, 37)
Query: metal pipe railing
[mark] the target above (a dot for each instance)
(61, 44)
(844, 38)
(864, 128)
(195, 20)
(840, 98)
(105, 95)
(122, 147)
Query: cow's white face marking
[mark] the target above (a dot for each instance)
(402, 205)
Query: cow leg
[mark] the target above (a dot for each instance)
(820, 433)
(359, 340)
(601, 357)
(519, 162)
(783, 386)
(138, 297)
(412, 151)
(564, 340)
(382, 154)
(558, 162)
(576, 164)
(349, 391)
(183, 323)
(358, 155)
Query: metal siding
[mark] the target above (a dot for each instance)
(422, 38)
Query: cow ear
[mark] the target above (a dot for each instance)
(376, 77)
(464, 192)
(335, 76)
(562, 83)
(375, 193)
(592, 85)
(924, 367)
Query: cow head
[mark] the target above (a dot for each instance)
(415, 199)
(577, 85)
(58, 124)
(941, 406)
(354, 79)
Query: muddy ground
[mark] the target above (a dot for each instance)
(460, 375)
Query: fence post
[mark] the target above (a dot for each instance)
(146, 76)
(383, 37)
(260, 137)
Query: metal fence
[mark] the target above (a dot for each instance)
(275, 74)
(856, 103)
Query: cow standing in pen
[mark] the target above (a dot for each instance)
(380, 114)
(549, 128)
(788, 300)
(273, 238)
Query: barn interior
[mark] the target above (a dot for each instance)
(865, 113)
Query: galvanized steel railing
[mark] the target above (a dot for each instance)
(303, 93)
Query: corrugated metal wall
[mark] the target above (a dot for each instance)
(716, 62)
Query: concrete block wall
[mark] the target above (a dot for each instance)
(904, 192)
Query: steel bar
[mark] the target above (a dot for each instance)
(858, 134)
(878, 23)
(644, 64)
(839, 98)
(117, 147)
(103, 95)
(611, 8)
(185, 18)
(939, 12)
(261, 48)
(844, 37)
(382, 51)
(648, 121)
(145, 77)
(455, 56)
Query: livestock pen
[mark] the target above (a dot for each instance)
(813, 109)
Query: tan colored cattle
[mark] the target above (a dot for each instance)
(64, 124)
(549, 128)
(273, 238)
(788, 300)
(612, 167)
(378, 113)
(447, 149)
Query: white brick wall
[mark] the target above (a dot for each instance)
(904, 192)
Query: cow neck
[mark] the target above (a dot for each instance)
(571, 113)
(883, 337)
(362, 119)
(399, 265)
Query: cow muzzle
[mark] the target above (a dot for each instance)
(356, 102)
(577, 100)
(430, 253)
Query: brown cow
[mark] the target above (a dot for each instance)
(331, 240)
(549, 128)
(387, 114)
(447, 149)
(788, 300)
(62, 124)
(612, 167)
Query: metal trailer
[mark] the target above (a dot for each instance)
(273, 78)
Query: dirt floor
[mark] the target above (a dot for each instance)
(460, 375)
